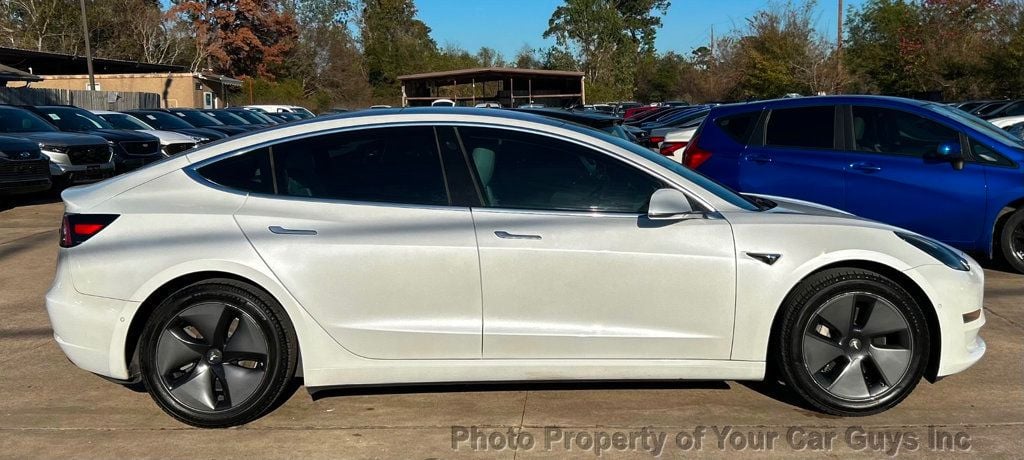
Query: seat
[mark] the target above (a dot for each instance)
(484, 160)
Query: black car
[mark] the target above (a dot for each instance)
(231, 119)
(74, 157)
(23, 168)
(163, 120)
(252, 116)
(132, 149)
(197, 118)
(600, 121)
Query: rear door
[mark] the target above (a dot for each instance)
(893, 177)
(360, 228)
(797, 156)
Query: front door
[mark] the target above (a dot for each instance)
(361, 233)
(892, 177)
(571, 267)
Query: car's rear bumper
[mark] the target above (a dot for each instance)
(958, 299)
(85, 326)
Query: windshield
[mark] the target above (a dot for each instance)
(227, 118)
(617, 131)
(196, 118)
(162, 120)
(124, 121)
(701, 180)
(73, 119)
(251, 117)
(22, 121)
(302, 112)
(978, 124)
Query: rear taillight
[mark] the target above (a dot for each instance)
(656, 140)
(76, 228)
(694, 156)
(669, 148)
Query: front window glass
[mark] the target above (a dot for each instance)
(390, 165)
(71, 119)
(883, 130)
(525, 171)
(163, 120)
(22, 121)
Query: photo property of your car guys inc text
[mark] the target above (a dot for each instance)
(504, 229)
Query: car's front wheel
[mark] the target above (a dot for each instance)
(1011, 240)
(853, 342)
(217, 354)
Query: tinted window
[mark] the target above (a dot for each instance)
(248, 172)
(73, 119)
(162, 120)
(123, 121)
(807, 127)
(984, 154)
(526, 171)
(21, 121)
(393, 165)
(881, 130)
(738, 126)
(1017, 108)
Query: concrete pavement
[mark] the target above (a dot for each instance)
(51, 409)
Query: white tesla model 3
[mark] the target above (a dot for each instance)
(452, 245)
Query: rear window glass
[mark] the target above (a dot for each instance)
(738, 126)
(248, 172)
(805, 127)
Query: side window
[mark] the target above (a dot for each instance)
(882, 130)
(248, 172)
(525, 171)
(738, 126)
(804, 127)
(1017, 108)
(983, 154)
(392, 165)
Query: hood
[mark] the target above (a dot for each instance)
(793, 206)
(121, 135)
(168, 137)
(17, 144)
(227, 129)
(63, 138)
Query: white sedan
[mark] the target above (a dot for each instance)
(451, 245)
(171, 143)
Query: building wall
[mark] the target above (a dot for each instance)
(175, 90)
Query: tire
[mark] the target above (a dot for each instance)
(217, 353)
(1011, 241)
(861, 365)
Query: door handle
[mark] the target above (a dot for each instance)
(865, 167)
(512, 236)
(757, 158)
(289, 231)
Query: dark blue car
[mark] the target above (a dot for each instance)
(923, 166)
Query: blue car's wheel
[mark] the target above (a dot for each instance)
(1012, 240)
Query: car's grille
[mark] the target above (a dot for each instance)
(89, 154)
(141, 148)
(24, 170)
(174, 149)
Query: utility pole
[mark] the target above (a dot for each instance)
(88, 49)
(839, 45)
(712, 47)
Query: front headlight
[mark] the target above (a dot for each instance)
(53, 148)
(939, 251)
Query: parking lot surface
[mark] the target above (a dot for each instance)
(49, 408)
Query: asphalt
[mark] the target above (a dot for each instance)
(51, 409)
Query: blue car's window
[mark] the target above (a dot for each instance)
(882, 130)
(978, 124)
(802, 127)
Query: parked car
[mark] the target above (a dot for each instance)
(600, 121)
(983, 109)
(1016, 129)
(23, 168)
(923, 166)
(380, 106)
(1009, 109)
(1003, 122)
(672, 143)
(269, 108)
(488, 105)
(163, 120)
(970, 105)
(282, 117)
(523, 248)
(74, 157)
(443, 103)
(199, 119)
(171, 143)
(233, 120)
(632, 112)
(132, 149)
(252, 116)
(688, 119)
(532, 105)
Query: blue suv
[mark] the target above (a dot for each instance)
(923, 166)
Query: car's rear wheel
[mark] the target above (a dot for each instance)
(217, 354)
(1011, 240)
(853, 342)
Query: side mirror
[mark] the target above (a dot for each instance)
(952, 152)
(669, 204)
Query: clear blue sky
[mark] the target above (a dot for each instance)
(508, 24)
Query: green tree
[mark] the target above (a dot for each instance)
(394, 42)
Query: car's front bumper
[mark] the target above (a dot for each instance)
(82, 173)
(85, 326)
(958, 298)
